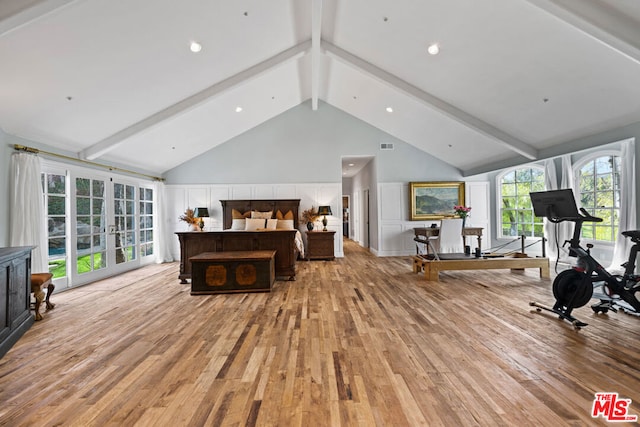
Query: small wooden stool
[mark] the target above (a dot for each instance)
(39, 281)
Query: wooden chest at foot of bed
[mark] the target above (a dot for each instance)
(236, 271)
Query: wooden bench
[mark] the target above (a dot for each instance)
(38, 282)
(432, 267)
(234, 271)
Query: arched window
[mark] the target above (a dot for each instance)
(516, 212)
(598, 185)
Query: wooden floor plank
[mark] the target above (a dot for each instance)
(356, 341)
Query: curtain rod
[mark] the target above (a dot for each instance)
(19, 147)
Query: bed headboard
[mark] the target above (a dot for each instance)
(263, 205)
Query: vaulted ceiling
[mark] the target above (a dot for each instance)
(116, 81)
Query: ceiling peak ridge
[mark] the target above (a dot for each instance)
(499, 136)
(108, 144)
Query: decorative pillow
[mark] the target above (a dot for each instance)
(285, 224)
(272, 224)
(263, 215)
(288, 215)
(254, 224)
(236, 214)
(238, 224)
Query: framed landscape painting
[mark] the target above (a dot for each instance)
(434, 200)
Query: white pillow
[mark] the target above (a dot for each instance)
(238, 224)
(272, 224)
(263, 215)
(254, 224)
(285, 224)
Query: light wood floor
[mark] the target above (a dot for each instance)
(356, 341)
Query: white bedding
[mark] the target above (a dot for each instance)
(299, 244)
(297, 239)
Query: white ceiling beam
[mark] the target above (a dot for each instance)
(599, 21)
(316, 37)
(16, 13)
(432, 101)
(110, 143)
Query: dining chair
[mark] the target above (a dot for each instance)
(449, 238)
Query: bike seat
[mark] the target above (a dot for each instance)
(633, 234)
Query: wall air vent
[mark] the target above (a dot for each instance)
(386, 146)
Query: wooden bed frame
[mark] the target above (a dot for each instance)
(193, 243)
(260, 205)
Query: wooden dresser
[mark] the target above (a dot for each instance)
(15, 295)
(320, 245)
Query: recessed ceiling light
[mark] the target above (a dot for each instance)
(389, 110)
(433, 49)
(238, 109)
(351, 164)
(195, 47)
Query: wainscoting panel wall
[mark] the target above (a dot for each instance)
(180, 197)
(477, 195)
(396, 230)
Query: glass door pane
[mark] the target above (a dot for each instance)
(146, 221)
(91, 238)
(55, 197)
(124, 214)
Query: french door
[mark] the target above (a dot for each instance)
(99, 225)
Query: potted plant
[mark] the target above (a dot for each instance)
(309, 216)
(189, 216)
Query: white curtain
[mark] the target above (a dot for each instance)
(550, 183)
(627, 219)
(163, 252)
(565, 229)
(27, 222)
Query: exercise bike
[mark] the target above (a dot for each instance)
(573, 288)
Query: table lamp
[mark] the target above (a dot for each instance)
(324, 210)
(201, 213)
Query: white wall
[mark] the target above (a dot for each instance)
(303, 145)
(180, 197)
(396, 230)
(5, 166)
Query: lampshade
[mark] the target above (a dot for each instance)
(324, 210)
(201, 213)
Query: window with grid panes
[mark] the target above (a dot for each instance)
(146, 221)
(124, 212)
(599, 193)
(516, 211)
(90, 225)
(54, 188)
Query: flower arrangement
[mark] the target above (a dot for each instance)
(309, 215)
(189, 216)
(462, 211)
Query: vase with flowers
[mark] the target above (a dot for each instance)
(189, 216)
(462, 212)
(309, 216)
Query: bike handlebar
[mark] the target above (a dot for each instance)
(589, 217)
(584, 217)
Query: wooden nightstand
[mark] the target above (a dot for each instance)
(320, 245)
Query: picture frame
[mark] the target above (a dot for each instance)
(434, 200)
